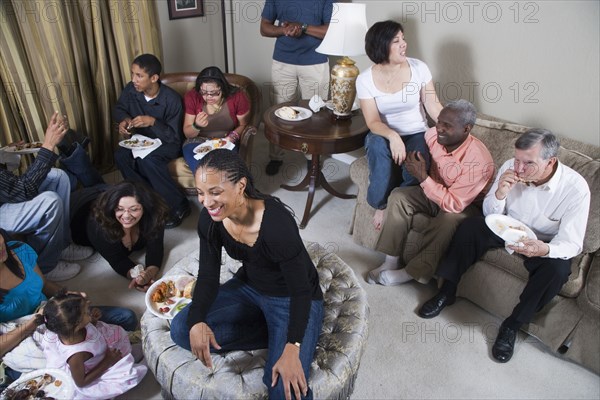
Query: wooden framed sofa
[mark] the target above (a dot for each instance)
(569, 325)
(182, 82)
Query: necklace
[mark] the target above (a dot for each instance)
(390, 76)
(217, 107)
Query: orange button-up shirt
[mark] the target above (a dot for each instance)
(457, 178)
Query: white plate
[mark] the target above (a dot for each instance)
(303, 113)
(66, 390)
(329, 104)
(136, 144)
(178, 302)
(15, 149)
(203, 148)
(509, 229)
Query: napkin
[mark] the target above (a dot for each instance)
(142, 153)
(316, 103)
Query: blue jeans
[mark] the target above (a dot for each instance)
(384, 174)
(243, 319)
(124, 317)
(44, 220)
(79, 168)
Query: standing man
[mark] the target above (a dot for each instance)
(152, 109)
(36, 205)
(461, 169)
(550, 198)
(301, 27)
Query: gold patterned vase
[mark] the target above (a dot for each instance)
(343, 87)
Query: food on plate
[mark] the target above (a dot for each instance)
(164, 290)
(32, 388)
(203, 149)
(138, 143)
(32, 145)
(185, 286)
(518, 227)
(288, 112)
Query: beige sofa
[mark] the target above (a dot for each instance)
(570, 324)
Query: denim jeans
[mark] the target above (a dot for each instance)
(243, 319)
(124, 317)
(384, 174)
(79, 168)
(44, 220)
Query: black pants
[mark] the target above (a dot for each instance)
(153, 170)
(473, 238)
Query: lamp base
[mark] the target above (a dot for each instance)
(343, 87)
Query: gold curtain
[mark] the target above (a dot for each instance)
(73, 56)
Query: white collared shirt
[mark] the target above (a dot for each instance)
(556, 211)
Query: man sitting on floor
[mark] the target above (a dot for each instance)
(461, 169)
(36, 205)
(154, 110)
(550, 198)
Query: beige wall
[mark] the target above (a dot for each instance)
(532, 62)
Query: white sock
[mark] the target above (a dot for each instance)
(391, 262)
(394, 277)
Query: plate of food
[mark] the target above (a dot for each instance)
(509, 229)
(203, 148)
(23, 148)
(169, 295)
(41, 384)
(137, 144)
(293, 113)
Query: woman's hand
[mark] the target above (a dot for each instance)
(398, 149)
(95, 315)
(201, 119)
(289, 368)
(144, 280)
(201, 338)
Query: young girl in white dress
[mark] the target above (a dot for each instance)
(96, 355)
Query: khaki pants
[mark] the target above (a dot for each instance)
(425, 255)
(311, 79)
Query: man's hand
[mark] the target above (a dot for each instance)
(293, 29)
(531, 248)
(416, 166)
(142, 121)
(124, 127)
(289, 368)
(398, 149)
(201, 338)
(57, 128)
(506, 183)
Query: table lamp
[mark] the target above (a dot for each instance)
(345, 37)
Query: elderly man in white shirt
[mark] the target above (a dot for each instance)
(550, 198)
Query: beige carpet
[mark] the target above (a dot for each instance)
(406, 357)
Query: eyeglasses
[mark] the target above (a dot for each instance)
(132, 210)
(214, 93)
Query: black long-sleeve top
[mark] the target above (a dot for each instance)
(276, 265)
(16, 189)
(87, 232)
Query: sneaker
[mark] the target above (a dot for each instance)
(273, 167)
(63, 271)
(76, 252)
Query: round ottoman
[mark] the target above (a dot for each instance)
(238, 374)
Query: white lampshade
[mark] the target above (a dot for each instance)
(347, 29)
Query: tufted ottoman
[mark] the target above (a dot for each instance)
(238, 374)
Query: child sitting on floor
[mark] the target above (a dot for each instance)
(97, 355)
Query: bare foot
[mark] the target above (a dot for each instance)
(378, 219)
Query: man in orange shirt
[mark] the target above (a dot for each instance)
(461, 171)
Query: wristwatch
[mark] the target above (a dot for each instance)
(304, 28)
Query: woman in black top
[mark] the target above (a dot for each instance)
(274, 301)
(119, 219)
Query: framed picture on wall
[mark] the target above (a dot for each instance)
(185, 8)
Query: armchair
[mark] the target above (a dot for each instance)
(182, 82)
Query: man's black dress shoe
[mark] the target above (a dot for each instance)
(505, 344)
(435, 305)
(273, 167)
(178, 217)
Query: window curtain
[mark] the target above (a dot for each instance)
(73, 56)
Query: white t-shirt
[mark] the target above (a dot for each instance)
(401, 111)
